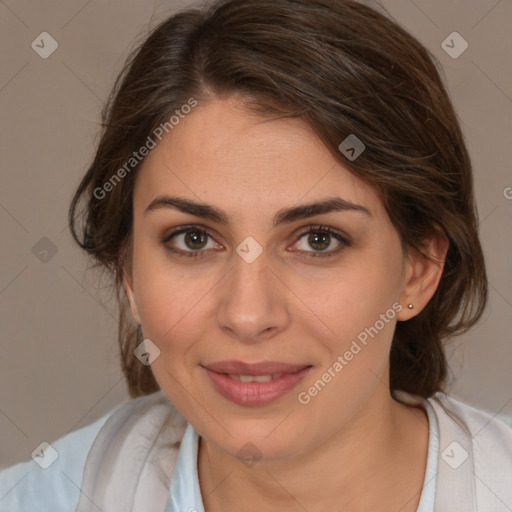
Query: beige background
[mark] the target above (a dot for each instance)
(59, 363)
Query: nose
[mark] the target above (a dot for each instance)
(253, 301)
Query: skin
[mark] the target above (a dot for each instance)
(335, 453)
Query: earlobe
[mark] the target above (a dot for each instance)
(422, 275)
(130, 294)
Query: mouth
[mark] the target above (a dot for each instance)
(254, 384)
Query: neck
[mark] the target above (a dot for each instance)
(377, 461)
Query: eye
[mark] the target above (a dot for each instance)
(195, 241)
(189, 241)
(320, 238)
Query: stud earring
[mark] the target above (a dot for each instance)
(410, 306)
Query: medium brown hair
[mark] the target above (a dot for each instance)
(342, 67)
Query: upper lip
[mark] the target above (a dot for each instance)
(262, 368)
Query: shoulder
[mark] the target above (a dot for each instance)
(481, 425)
(52, 480)
(475, 453)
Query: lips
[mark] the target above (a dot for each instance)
(254, 383)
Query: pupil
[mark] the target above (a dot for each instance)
(195, 239)
(319, 239)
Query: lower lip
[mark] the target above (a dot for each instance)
(255, 393)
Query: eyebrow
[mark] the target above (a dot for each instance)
(284, 216)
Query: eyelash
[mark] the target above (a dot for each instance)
(310, 254)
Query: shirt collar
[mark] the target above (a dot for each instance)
(186, 494)
(185, 491)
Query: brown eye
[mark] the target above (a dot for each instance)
(317, 240)
(195, 239)
(189, 241)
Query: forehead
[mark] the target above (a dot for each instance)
(222, 154)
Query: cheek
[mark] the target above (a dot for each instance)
(167, 299)
(168, 306)
(358, 312)
(354, 296)
(171, 316)
(357, 309)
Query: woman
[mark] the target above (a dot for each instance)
(283, 196)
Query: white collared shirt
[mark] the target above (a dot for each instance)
(483, 477)
(186, 494)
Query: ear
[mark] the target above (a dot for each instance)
(130, 294)
(422, 275)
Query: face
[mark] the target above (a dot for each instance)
(253, 278)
